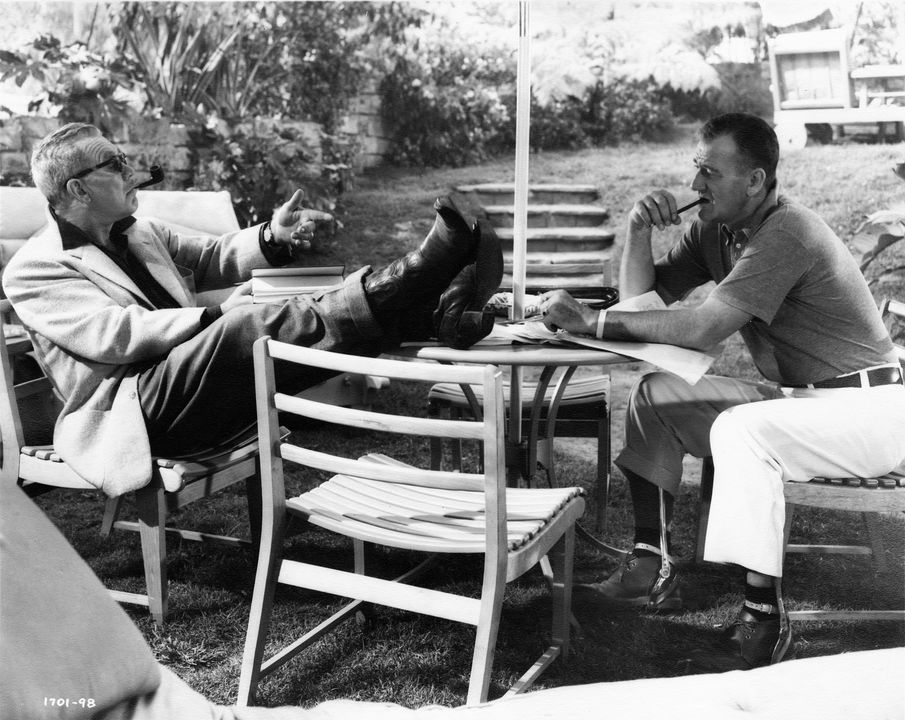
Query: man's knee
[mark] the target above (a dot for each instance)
(652, 389)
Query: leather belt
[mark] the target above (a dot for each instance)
(863, 378)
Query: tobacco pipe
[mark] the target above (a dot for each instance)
(156, 177)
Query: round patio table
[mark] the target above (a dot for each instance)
(521, 453)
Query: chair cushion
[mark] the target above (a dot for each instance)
(204, 213)
(62, 635)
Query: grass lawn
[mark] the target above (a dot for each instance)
(415, 660)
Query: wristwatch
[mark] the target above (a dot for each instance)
(267, 235)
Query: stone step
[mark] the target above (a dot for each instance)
(564, 258)
(599, 234)
(549, 215)
(504, 193)
(583, 286)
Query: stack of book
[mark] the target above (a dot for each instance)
(270, 285)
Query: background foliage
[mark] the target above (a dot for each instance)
(447, 84)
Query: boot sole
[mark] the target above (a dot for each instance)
(669, 603)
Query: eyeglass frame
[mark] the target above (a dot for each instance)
(118, 159)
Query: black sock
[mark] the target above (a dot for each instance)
(761, 601)
(646, 507)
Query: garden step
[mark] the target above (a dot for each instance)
(601, 235)
(549, 215)
(584, 286)
(504, 193)
(560, 257)
(582, 272)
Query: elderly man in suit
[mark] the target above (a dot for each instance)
(141, 369)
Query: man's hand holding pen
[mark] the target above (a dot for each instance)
(659, 209)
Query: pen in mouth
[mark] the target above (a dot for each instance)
(690, 205)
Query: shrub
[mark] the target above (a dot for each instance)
(440, 111)
(261, 164)
(627, 110)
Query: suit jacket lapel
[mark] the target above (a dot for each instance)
(98, 262)
(161, 269)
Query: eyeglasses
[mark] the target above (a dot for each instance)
(117, 164)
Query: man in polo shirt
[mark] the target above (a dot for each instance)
(832, 403)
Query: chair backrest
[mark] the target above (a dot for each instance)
(12, 433)
(489, 430)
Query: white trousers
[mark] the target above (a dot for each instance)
(846, 432)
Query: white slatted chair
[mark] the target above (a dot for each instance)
(377, 499)
(176, 482)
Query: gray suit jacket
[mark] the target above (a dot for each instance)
(91, 325)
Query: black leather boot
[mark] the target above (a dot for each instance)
(461, 318)
(410, 287)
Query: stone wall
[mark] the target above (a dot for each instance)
(365, 125)
(145, 142)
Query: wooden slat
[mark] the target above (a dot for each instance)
(384, 592)
(376, 471)
(379, 422)
(337, 362)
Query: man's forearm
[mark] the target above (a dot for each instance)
(674, 327)
(636, 270)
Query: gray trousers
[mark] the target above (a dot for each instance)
(201, 393)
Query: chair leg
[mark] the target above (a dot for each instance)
(561, 557)
(151, 508)
(253, 498)
(704, 507)
(111, 514)
(602, 488)
(877, 546)
(362, 550)
(269, 559)
(436, 444)
(545, 459)
(485, 639)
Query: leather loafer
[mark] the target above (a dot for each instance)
(638, 583)
(747, 643)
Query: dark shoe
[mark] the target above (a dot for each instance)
(747, 643)
(639, 583)
(413, 284)
(462, 317)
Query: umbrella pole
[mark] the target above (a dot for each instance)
(520, 226)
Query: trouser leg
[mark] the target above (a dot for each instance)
(816, 433)
(202, 391)
(667, 418)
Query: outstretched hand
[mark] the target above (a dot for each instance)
(292, 224)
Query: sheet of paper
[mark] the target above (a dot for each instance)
(647, 301)
(687, 364)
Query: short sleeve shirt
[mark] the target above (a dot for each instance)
(813, 316)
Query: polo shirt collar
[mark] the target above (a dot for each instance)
(744, 228)
(73, 236)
